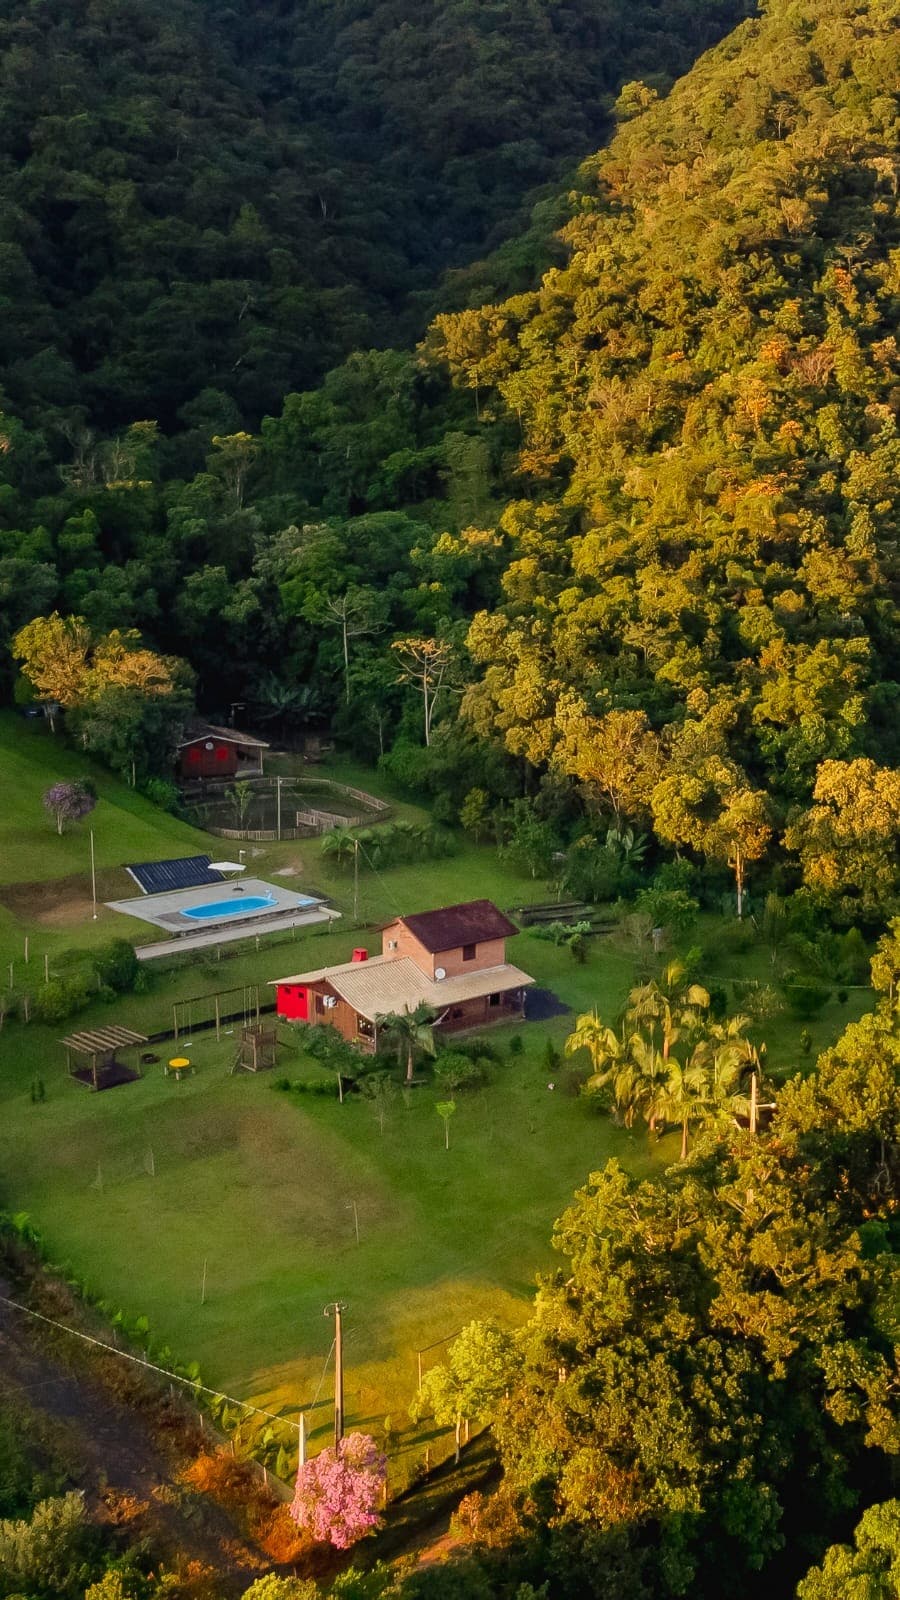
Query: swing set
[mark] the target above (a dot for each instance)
(221, 1011)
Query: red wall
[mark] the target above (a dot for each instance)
(293, 1002)
(219, 762)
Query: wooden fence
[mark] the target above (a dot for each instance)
(327, 821)
(309, 820)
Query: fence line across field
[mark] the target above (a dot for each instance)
(152, 1366)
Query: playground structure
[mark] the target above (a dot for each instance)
(258, 1049)
(220, 1010)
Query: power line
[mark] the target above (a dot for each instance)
(139, 1361)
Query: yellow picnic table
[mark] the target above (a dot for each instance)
(179, 1065)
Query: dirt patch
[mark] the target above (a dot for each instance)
(63, 902)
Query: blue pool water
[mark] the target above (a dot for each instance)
(215, 909)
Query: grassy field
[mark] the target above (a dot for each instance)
(45, 881)
(142, 1187)
(261, 1186)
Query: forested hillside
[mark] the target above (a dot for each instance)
(197, 197)
(649, 526)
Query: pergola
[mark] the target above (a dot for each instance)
(96, 1048)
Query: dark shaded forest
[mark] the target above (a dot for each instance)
(198, 197)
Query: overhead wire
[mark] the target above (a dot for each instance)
(152, 1366)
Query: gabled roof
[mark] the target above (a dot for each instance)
(451, 926)
(385, 986)
(210, 730)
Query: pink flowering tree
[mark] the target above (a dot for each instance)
(69, 802)
(337, 1492)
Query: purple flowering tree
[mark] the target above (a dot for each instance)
(69, 802)
(337, 1492)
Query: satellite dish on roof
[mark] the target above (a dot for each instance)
(440, 972)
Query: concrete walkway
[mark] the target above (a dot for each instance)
(224, 935)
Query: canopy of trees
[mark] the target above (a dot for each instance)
(204, 206)
(712, 1372)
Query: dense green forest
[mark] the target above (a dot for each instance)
(641, 514)
(197, 197)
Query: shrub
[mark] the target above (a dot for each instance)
(117, 966)
(804, 997)
(272, 1587)
(48, 1557)
(163, 794)
(676, 875)
(16, 1473)
(853, 957)
(718, 1001)
(593, 873)
(321, 1086)
(672, 909)
(515, 1045)
(478, 1049)
(62, 997)
(559, 933)
(453, 1071)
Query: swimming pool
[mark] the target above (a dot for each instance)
(214, 910)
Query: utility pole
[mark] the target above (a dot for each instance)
(355, 882)
(754, 1109)
(335, 1310)
(93, 876)
(278, 801)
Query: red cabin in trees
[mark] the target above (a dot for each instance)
(211, 752)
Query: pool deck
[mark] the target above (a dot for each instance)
(166, 911)
(225, 935)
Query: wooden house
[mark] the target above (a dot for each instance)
(452, 960)
(211, 752)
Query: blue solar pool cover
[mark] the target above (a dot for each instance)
(182, 872)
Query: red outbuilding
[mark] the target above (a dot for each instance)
(211, 752)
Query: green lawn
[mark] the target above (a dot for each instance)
(45, 881)
(260, 1186)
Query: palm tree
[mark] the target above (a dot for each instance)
(650, 1070)
(412, 1032)
(669, 1005)
(684, 1097)
(609, 1060)
(731, 1058)
(340, 843)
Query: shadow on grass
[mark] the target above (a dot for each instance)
(426, 1507)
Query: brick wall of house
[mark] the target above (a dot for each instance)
(488, 953)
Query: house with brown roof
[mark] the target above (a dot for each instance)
(452, 960)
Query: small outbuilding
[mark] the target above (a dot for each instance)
(208, 751)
